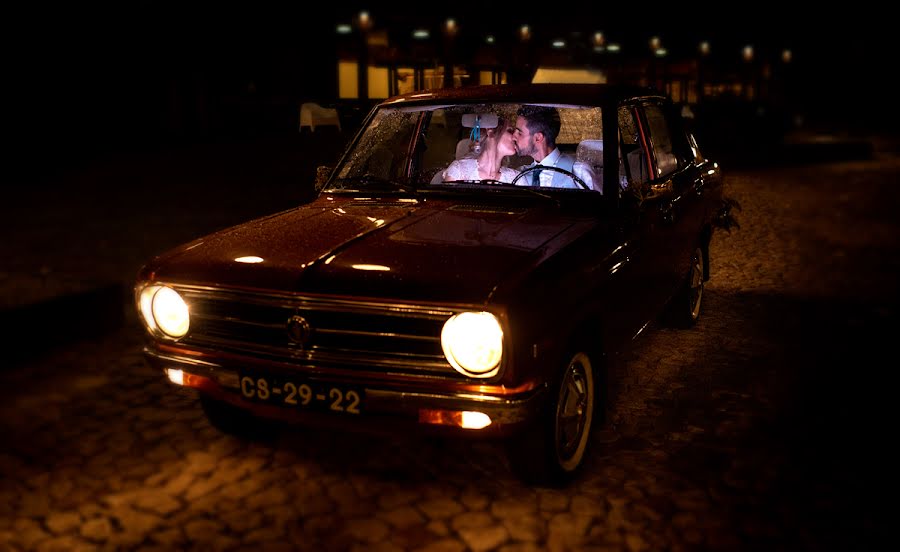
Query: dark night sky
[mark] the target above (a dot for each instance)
(108, 68)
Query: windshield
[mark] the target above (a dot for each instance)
(476, 145)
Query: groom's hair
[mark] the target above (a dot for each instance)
(542, 119)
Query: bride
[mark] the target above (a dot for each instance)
(497, 144)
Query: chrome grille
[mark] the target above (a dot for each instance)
(383, 337)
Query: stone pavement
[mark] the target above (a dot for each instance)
(760, 429)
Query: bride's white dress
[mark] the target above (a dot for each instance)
(467, 169)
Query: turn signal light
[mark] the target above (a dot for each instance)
(175, 376)
(180, 377)
(465, 419)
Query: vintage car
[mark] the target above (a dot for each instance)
(400, 298)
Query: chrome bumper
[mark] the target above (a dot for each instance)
(382, 399)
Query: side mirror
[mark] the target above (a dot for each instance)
(659, 190)
(323, 172)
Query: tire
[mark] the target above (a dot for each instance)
(552, 451)
(684, 310)
(232, 420)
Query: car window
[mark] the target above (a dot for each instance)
(453, 133)
(661, 140)
(382, 150)
(692, 153)
(436, 145)
(578, 125)
(684, 144)
(632, 145)
(443, 134)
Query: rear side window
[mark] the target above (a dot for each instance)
(661, 138)
(631, 142)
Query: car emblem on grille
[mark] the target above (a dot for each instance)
(298, 330)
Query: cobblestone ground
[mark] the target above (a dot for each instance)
(759, 429)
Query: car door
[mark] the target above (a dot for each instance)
(643, 274)
(670, 196)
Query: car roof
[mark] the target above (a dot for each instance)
(584, 94)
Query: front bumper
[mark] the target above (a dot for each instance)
(390, 404)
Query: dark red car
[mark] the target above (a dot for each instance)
(415, 294)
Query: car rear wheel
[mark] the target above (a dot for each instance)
(554, 449)
(684, 311)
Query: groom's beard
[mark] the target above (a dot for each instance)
(525, 150)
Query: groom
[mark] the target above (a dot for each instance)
(535, 135)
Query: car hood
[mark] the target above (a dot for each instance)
(418, 250)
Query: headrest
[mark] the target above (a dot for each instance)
(590, 151)
(464, 148)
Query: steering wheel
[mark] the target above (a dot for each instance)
(570, 174)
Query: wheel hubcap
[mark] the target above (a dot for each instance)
(574, 411)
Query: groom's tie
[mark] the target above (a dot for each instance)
(536, 176)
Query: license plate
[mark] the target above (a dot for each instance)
(294, 392)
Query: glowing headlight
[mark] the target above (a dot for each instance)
(473, 343)
(164, 310)
(145, 304)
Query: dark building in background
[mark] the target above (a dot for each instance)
(780, 64)
(739, 89)
(100, 77)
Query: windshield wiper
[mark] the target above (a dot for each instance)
(486, 181)
(532, 191)
(370, 181)
(529, 189)
(492, 184)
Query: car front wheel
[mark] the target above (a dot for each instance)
(553, 450)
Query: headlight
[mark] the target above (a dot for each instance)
(165, 311)
(473, 343)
